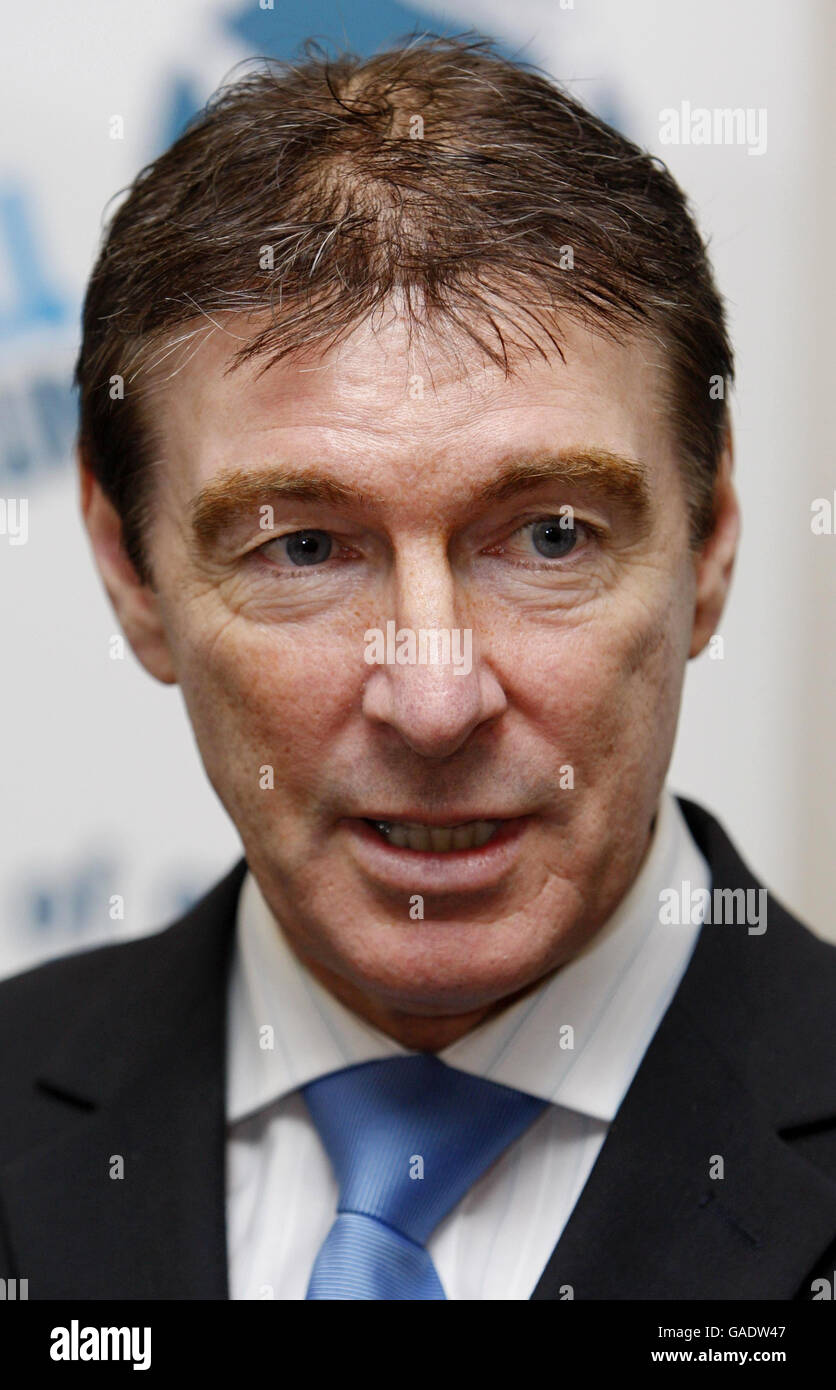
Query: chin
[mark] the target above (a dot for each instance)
(444, 968)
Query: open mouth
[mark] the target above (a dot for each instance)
(436, 839)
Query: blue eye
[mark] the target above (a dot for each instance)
(308, 547)
(552, 540)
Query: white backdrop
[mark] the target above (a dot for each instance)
(103, 791)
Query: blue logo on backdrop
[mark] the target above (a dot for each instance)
(63, 909)
(36, 301)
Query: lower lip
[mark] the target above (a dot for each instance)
(456, 870)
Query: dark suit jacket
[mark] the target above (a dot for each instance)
(120, 1051)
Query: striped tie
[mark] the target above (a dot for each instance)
(407, 1137)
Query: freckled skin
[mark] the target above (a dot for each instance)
(577, 662)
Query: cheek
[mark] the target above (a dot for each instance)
(606, 693)
(259, 695)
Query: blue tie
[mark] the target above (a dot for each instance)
(407, 1137)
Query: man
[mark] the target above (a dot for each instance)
(405, 453)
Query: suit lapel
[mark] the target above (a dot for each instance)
(143, 1080)
(743, 1052)
(652, 1223)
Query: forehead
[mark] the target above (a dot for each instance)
(385, 407)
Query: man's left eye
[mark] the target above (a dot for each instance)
(548, 538)
(301, 547)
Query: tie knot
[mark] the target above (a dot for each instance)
(408, 1136)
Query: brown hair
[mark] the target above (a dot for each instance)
(486, 196)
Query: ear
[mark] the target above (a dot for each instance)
(714, 561)
(134, 602)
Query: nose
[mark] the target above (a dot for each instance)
(433, 685)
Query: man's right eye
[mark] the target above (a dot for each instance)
(299, 548)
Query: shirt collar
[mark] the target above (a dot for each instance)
(576, 1041)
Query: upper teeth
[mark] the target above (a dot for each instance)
(438, 839)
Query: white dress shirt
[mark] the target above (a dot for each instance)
(495, 1244)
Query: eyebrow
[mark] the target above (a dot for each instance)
(623, 479)
(235, 496)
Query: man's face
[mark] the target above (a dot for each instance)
(414, 474)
